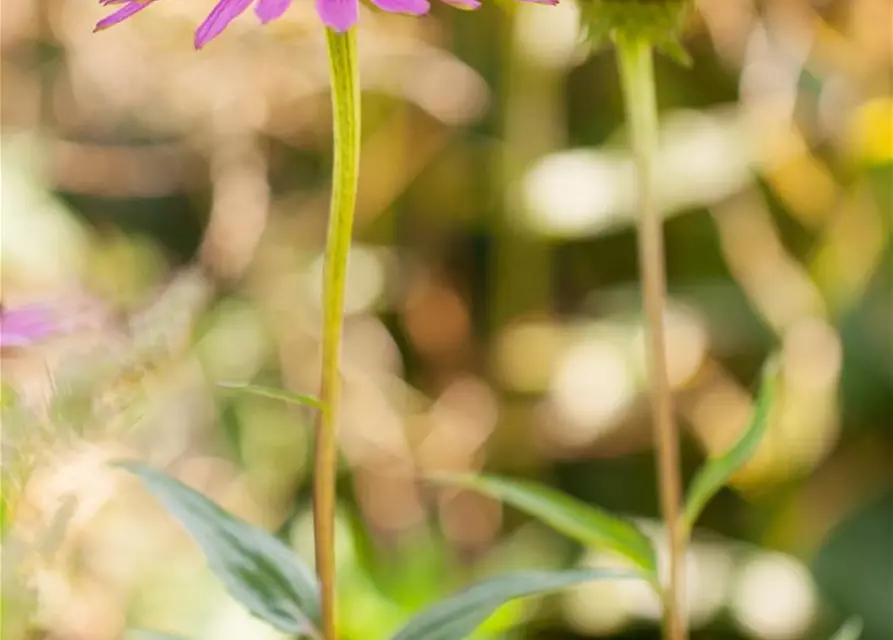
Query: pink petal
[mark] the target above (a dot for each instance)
(25, 325)
(131, 8)
(340, 15)
(268, 10)
(414, 7)
(223, 13)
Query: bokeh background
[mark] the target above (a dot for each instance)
(171, 207)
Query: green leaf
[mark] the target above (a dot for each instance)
(258, 570)
(714, 475)
(851, 630)
(273, 393)
(458, 616)
(852, 566)
(588, 525)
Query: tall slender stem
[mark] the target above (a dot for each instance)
(637, 77)
(345, 79)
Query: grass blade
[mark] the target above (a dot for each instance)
(589, 525)
(851, 630)
(273, 393)
(715, 473)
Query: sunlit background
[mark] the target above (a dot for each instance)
(171, 207)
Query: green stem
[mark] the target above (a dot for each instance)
(345, 79)
(637, 77)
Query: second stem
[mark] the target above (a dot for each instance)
(637, 78)
(345, 77)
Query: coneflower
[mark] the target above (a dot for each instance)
(339, 15)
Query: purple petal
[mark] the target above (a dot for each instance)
(414, 7)
(224, 12)
(131, 8)
(340, 15)
(268, 10)
(23, 326)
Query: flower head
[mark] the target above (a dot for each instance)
(25, 325)
(660, 22)
(339, 15)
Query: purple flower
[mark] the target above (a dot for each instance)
(25, 325)
(339, 15)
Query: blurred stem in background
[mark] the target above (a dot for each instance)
(45, 65)
(343, 65)
(522, 266)
(533, 125)
(637, 78)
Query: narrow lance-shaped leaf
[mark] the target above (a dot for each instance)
(588, 525)
(258, 570)
(273, 393)
(458, 616)
(716, 473)
(851, 630)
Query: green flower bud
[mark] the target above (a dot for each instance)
(660, 22)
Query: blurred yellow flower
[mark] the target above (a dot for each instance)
(872, 131)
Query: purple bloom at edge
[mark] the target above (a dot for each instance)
(25, 325)
(339, 15)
